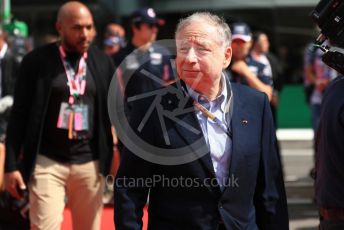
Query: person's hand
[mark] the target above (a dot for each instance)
(13, 183)
(114, 136)
(321, 84)
(274, 100)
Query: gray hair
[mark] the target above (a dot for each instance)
(219, 23)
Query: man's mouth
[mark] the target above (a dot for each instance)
(191, 70)
(84, 43)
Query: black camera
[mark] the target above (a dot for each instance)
(329, 16)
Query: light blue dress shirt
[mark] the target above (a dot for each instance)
(219, 143)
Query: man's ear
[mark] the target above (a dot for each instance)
(228, 57)
(58, 27)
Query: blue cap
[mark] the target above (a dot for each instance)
(146, 15)
(241, 31)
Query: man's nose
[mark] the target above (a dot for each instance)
(84, 32)
(191, 55)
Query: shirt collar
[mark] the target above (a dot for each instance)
(222, 98)
(3, 50)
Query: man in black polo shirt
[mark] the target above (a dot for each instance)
(59, 127)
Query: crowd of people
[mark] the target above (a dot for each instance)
(204, 115)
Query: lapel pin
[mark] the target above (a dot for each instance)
(244, 121)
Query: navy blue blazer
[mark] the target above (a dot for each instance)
(258, 202)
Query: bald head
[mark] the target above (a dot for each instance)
(70, 9)
(75, 26)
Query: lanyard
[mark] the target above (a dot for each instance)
(76, 81)
(212, 117)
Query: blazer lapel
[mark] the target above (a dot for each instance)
(95, 73)
(238, 135)
(238, 115)
(56, 66)
(91, 65)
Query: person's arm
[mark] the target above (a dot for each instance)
(311, 79)
(321, 84)
(270, 198)
(241, 68)
(130, 188)
(308, 62)
(130, 195)
(17, 124)
(309, 74)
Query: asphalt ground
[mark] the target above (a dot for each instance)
(297, 158)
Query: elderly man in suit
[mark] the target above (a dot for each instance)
(205, 152)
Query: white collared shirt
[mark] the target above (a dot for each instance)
(219, 143)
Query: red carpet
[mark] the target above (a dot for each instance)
(107, 219)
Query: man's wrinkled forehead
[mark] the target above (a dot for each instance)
(194, 40)
(199, 38)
